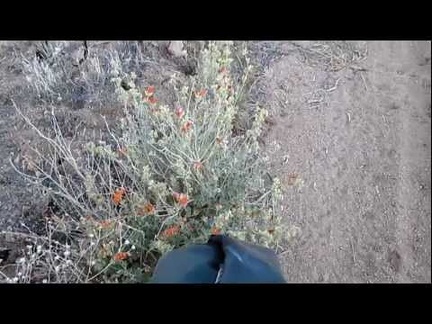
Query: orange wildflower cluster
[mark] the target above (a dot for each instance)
(149, 95)
(186, 126)
(120, 256)
(223, 70)
(292, 178)
(118, 195)
(105, 224)
(89, 218)
(200, 93)
(147, 209)
(122, 151)
(152, 100)
(197, 165)
(149, 91)
(171, 231)
(179, 112)
(181, 198)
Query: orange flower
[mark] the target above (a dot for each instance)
(122, 151)
(187, 126)
(223, 70)
(201, 93)
(179, 112)
(215, 231)
(197, 165)
(89, 218)
(149, 91)
(152, 100)
(147, 209)
(105, 224)
(118, 195)
(181, 198)
(120, 256)
(292, 178)
(171, 231)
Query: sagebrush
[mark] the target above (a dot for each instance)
(169, 174)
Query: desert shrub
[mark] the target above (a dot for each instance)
(169, 175)
(71, 74)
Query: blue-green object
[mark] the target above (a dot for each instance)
(222, 260)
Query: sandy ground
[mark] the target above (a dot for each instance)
(363, 151)
(358, 138)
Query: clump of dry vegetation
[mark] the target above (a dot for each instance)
(168, 174)
(332, 55)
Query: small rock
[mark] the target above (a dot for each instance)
(79, 55)
(175, 48)
(395, 261)
(125, 85)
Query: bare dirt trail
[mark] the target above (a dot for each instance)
(364, 155)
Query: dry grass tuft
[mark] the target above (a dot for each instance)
(332, 55)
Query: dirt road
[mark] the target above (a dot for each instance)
(360, 140)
